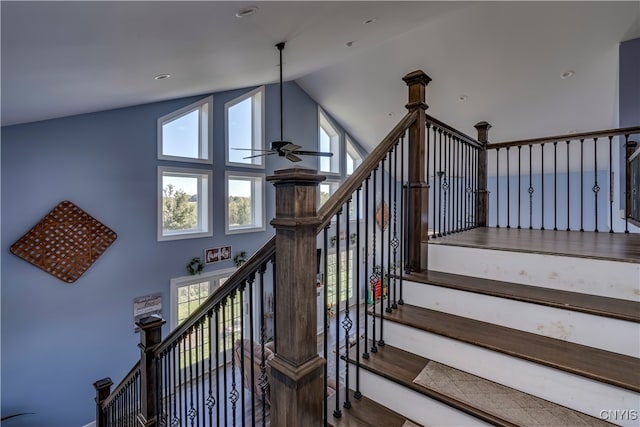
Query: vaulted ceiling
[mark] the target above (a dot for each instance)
(496, 61)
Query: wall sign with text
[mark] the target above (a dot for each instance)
(222, 253)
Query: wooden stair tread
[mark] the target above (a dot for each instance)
(575, 301)
(364, 412)
(403, 367)
(600, 365)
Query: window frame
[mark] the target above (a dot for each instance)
(258, 208)
(257, 143)
(213, 277)
(204, 208)
(351, 151)
(335, 141)
(333, 184)
(205, 131)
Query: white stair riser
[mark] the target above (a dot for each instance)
(572, 391)
(591, 276)
(614, 335)
(411, 404)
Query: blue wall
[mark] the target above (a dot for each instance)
(57, 339)
(629, 89)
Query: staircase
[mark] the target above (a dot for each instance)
(487, 340)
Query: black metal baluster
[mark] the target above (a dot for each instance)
(325, 319)
(467, 188)
(365, 354)
(357, 393)
(596, 187)
(177, 400)
(402, 217)
(195, 386)
(388, 221)
(216, 310)
(251, 281)
(263, 382)
(210, 399)
(582, 184)
(542, 184)
(519, 182)
(347, 323)
(337, 412)
(274, 303)
(240, 294)
(555, 185)
(382, 269)
(394, 241)
(508, 190)
(225, 301)
(429, 157)
(440, 185)
(186, 380)
(568, 198)
(530, 188)
(374, 348)
(498, 187)
(233, 395)
(610, 184)
(448, 193)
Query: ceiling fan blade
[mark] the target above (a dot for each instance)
(312, 153)
(251, 149)
(290, 147)
(293, 157)
(260, 155)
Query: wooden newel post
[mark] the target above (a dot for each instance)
(103, 389)
(296, 371)
(150, 337)
(418, 189)
(483, 193)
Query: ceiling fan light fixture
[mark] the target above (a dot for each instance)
(246, 11)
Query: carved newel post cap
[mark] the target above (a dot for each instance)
(417, 76)
(482, 125)
(299, 176)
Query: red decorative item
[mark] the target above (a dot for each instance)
(65, 243)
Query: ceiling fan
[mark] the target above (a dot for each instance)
(284, 148)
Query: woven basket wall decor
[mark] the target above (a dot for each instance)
(65, 243)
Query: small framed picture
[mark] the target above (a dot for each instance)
(211, 255)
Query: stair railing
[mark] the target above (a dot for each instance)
(244, 358)
(557, 182)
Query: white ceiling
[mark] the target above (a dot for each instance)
(64, 58)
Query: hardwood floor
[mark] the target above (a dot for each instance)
(602, 245)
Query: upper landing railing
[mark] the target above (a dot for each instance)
(565, 182)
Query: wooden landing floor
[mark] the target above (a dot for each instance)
(602, 245)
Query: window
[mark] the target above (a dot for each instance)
(346, 277)
(329, 141)
(327, 188)
(185, 135)
(245, 128)
(187, 294)
(184, 203)
(353, 158)
(245, 203)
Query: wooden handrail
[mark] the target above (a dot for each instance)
(261, 256)
(346, 189)
(465, 138)
(567, 137)
(122, 384)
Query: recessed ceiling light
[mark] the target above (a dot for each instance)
(349, 44)
(567, 74)
(463, 98)
(390, 114)
(246, 11)
(162, 76)
(370, 21)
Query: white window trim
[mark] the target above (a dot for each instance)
(337, 151)
(204, 132)
(331, 182)
(258, 210)
(259, 161)
(352, 150)
(212, 277)
(205, 217)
